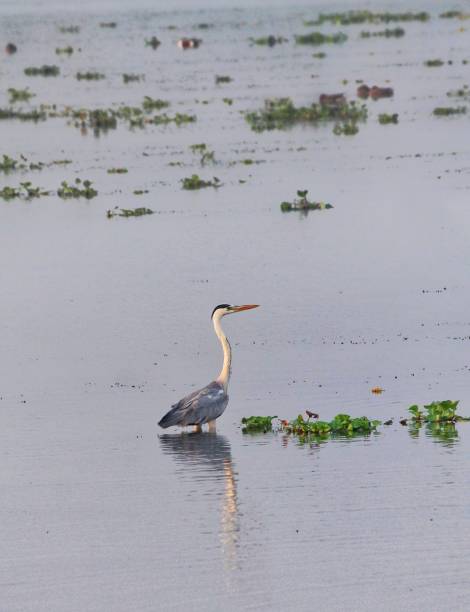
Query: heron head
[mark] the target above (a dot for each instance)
(224, 309)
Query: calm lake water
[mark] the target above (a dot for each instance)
(106, 322)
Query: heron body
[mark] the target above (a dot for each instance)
(207, 404)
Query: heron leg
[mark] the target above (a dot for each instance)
(197, 429)
(211, 425)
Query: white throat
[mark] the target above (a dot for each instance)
(224, 375)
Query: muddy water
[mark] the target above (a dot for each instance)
(105, 323)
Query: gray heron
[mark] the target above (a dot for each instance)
(207, 404)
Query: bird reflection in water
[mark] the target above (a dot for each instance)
(203, 456)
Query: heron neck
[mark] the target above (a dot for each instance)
(224, 375)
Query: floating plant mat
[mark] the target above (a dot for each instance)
(439, 417)
(303, 204)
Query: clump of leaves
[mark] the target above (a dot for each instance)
(128, 212)
(195, 182)
(341, 425)
(358, 17)
(33, 115)
(81, 189)
(317, 38)
(178, 119)
(451, 15)
(25, 190)
(89, 76)
(117, 170)
(388, 33)
(20, 95)
(348, 128)
(228, 101)
(446, 111)
(303, 204)
(150, 104)
(69, 29)
(221, 78)
(257, 424)
(44, 71)
(64, 50)
(8, 164)
(434, 63)
(207, 156)
(437, 412)
(268, 41)
(385, 118)
(140, 191)
(280, 113)
(131, 78)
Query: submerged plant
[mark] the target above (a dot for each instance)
(195, 182)
(44, 70)
(20, 95)
(81, 189)
(257, 424)
(317, 38)
(303, 204)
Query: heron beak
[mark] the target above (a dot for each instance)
(244, 307)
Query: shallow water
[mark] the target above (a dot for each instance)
(105, 323)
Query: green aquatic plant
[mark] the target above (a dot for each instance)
(64, 50)
(303, 204)
(108, 24)
(117, 170)
(257, 424)
(358, 17)
(128, 212)
(347, 128)
(317, 38)
(280, 113)
(452, 15)
(69, 29)
(81, 189)
(131, 78)
(319, 55)
(152, 42)
(195, 182)
(385, 118)
(463, 92)
(437, 412)
(150, 104)
(140, 191)
(178, 119)
(341, 425)
(33, 115)
(228, 101)
(25, 190)
(44, 71)
(446, 111)
(8, 164)
(220, 78)
(207, 156)
(268, 41)
(434, 63)
(89, 76)
(388, 33)
(20, 95)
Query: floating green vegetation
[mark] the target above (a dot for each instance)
(463, 92)
(150, 104)
(69, 29)
(20, 95)
(117, 170)
(204, 26)
(128, 212)
(89, 76)
(280, 113)
(385, 118)
(220, 78)
(437, 412)
(152, 42)
(319, 55)
(302, 203)
(268, 41)
(98, 120)
(434, 63)
(178, 119)
(358, 17)
(108, 24)
(64, 50)
(44, 71)
(447, 111)
(228, 101)
(452, 15)
(317, 38)
(131, 78)
(388, 33)
(25, 190)
(341, 425)
(257, 424)
(33, 115)
(195, 182)
(140, 191)
(81, 189)
(8, 164)
(207, 156)
(347, 128)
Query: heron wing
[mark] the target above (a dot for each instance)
(198, 407)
